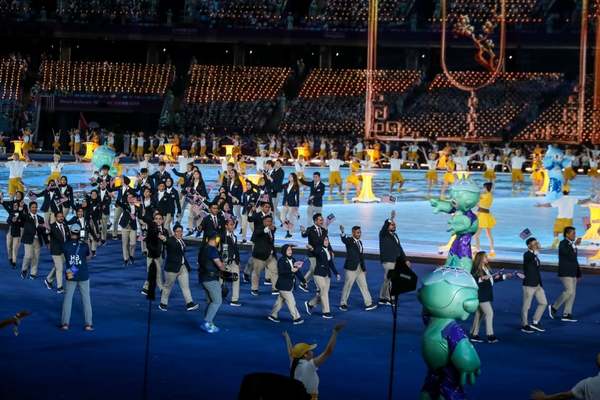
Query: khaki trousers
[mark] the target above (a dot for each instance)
(49, 217)
(311, 270)
(183, 278)
(291, 215)
(159, 272)
(12, 246)
(486, 311)
(167, 223)
(360, 277)
(104, 227)
(31, 257)
(57, 271)
(246, 225)
(568, 295)
(271, 273)
(322, 295)
(540, 296)
(384, 292)
(235, 285)
(128, 238)
(286, 297)
(117, 216)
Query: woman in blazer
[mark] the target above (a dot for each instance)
(291, 202)
(322, 275)
(485, 278)
(288, 271)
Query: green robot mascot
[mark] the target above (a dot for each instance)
(449, 294)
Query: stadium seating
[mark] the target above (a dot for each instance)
(105, 77)
(332, 101)
(241, 98)
(12, 71)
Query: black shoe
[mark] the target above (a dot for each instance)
(244, 241)
(492, 339)
(115, 236)
(131, 260)
(254, 292)
(303, 286)
(370, 307)
(327, 315)
(245, 278)
(93, 254)
(308, 308)
(568, 318)
(125, 263)
(32, 277)
(23, 274)
(88, 328)
(145, 253)
(162, 307)
(275, 293)
(48, 284)
(235, 303)
(103, 242)
(288, 235)
(384, 302)
(527, 329)
(267, 282)
(191, 306)
(552, 312)
(274, 319)
(343, 307)
(60, 290)
(14, 265)
(144, 292)
(538, 327)
(298, 321)
(475, 338)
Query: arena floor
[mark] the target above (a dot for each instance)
(44, 362)
(421, 231)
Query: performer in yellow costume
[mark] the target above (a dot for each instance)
(396, 176)
(56, 143)
(15, 176)
(537, 173)
(448, 176)
(485, 218)
(335, 178)
(353, 178)
(55, 169)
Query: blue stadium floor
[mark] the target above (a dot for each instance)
(46, 363)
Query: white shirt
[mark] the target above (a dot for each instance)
(16, 168)
(147, 165)
(299, 166)
(182, 163)
(395, 164)
(334, 165)
(462, 163)
(160, 195)
(140, 141)
(516, 162)
(260, 162)
(56, 167)
(566, 206)
(77, 138)
(306, 372)
(491, 164)
(587, 389)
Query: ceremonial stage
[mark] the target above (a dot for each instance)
(421, 231)
(45, 362)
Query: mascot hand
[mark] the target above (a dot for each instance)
(435, 203)
(469, 377)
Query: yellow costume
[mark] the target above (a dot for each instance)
(322, 153)
(431, 176)
(396, 177)
(76, 147)
(561, 223)
(54, 176)
(353, 178)
(15, 185)
(484, 216)
(569, 173)
(56, 144)
(517, 175)
(449, 175)
(593, 172)
(489, 175)
(335, 178)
